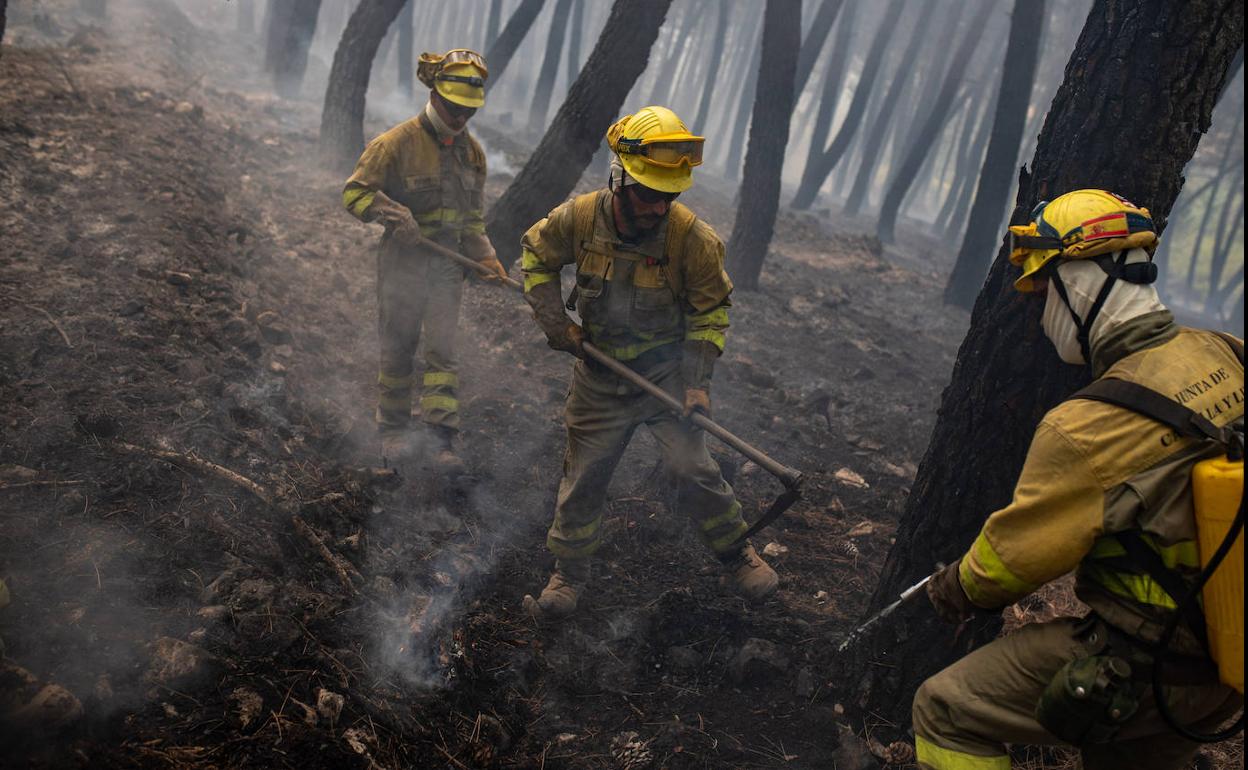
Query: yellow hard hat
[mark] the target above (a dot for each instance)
(458, 75)
(1078, 225)
(656, 148)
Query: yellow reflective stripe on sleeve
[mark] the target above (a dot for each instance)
(357, 200)
(441, 378)
(939, 758)
(713, 336)
(435, 402)
(535, 271)
(708, 326)
(1182, 554)
(994, 569)
(394, 382)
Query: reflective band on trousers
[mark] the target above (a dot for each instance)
(938, 758)
(394, 382)
(441, 378)
(444, 403)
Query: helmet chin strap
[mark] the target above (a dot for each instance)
(1084, 326)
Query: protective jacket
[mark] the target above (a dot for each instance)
(1094, 470)
(442, 182)
(632, 297)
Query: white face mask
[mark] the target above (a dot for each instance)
(1060, 327)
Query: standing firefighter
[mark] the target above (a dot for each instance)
(424, 179)
(1107, 491)
(651, 291)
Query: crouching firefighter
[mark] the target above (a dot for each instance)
(424, 179)
(1116, 486)
(651, 291)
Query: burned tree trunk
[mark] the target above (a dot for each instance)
(1006, 374)
(920, 146)
(883, 120)
(491, 25)
(820, 161)
(769, 133)
(3, 7)
(576, 30)
(499, 54)
(745, 107)
(812, 46)
(342, 119)
(1021, 54)
(593, 102)
(292, 24)
(550, 64)
(407, 71)
(833, 80)
(712, 69)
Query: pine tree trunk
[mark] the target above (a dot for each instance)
(759, 199)
(407, 68)
(812, 44)
(491, 26)
(677, 53)
(834, 79)
(883, 121)
(902, 179)
(342, 118)
(712, 68)
(1007, 375)
(550, 65)
(593, 103)
(745, 107)
(820, 162)
(3, 7)
(1222, 244)
(576, 29)
(1021, 54)
(967, 175)
(293, 25)
(504, 46)
(1224, 169)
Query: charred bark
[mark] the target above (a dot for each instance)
(292, 25)
(593, 102)
(812, 45)
(821, 161)
(499, 54)
(1021, 54)
(712, 68)
(904, 177)
(407, 69)
(759, 199)
(833, 79)
(884, 117)
(550, 64)
(1144, 75)
(342, 118)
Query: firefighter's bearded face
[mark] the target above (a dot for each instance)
(640, 210)
(455, 116)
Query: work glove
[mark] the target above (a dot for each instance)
(945, 593)
(398, 219)
(497, 274)
(570, 340)
(697, 400)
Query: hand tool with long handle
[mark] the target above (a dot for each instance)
(903, 598)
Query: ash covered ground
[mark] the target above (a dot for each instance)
(183, 299)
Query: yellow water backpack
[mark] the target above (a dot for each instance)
(1217, 490)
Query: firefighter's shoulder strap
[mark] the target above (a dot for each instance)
(1185, 422)
(584, 209)
(680, 222)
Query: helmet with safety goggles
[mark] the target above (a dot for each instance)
(1083, 224)
(656, 149)
(458, 75)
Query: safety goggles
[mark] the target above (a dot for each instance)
(650, 196)
(458, 110)
(464, 56)
(663, 153)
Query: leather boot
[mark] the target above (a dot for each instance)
(752, 577)
(443, 452)
(396, 447)
(566, 585)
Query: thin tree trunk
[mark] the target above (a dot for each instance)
(491, 26)
(575, 31)
(1221, 246)
(3, 8)
(550, 64)
(769, 134)
(1233, 141)
(905, 174)
(834, 79)
(812, 44)
(1007, 375)
(951, 223)
(407, 70)
(820, 161)
(677, 53)
(292, 28)
(504, 46)
(712, 69)
(884, 119)
(995, 178)
(744, 108)
(593, 102)
(342, 118)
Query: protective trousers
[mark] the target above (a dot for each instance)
(417, 291)
(601, 414)
(964, 716)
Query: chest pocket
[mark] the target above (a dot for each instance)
(593, 269)
(422, 193)
(655, 308)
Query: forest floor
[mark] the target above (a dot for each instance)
(181, 293)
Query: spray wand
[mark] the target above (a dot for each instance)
(903, 598)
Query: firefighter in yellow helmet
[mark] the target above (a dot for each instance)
(651, 291)
(1106, 491)
(424, 179)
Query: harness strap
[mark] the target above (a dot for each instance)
(1150, 403)
(1169, 580)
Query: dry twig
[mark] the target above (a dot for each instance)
(341, 567)
(187, 460)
